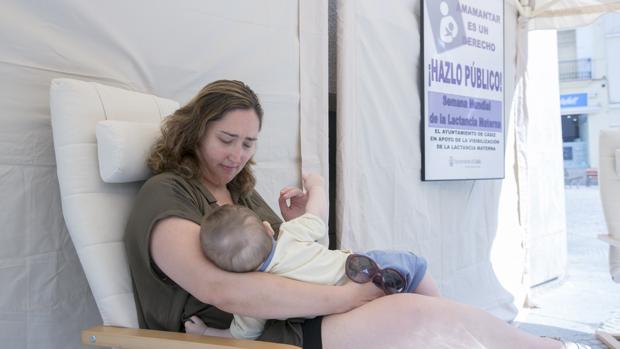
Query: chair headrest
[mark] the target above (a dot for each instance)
(123, 147)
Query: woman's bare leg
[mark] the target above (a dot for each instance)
(416, 321)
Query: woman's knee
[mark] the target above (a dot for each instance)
(396, 316)
(411, 304)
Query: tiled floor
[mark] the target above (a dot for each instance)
(586, 298)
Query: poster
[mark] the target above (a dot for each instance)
(463, 110)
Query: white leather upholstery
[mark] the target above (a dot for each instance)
(96, 212)
(609, 185)
(618, 162)
(122, 148)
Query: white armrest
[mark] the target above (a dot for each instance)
(609, 186)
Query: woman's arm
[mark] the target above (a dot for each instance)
(175, 248)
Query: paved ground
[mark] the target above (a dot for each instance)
(586, 298)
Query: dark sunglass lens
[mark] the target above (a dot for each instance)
(360, 268)
(393, 281)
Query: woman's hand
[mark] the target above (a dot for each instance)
(292, 202)
(362, 293)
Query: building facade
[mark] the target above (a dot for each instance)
(589, 92)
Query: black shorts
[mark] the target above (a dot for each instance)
(312, 333)
(301, 332)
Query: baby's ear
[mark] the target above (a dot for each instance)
(268, 228)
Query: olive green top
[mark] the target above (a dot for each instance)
(161, 304)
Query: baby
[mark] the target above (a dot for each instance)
(235, 239)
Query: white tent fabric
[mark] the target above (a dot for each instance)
(381, 201)
(554, 15)
(164, 48)
(563, 14)
(539, 161)
(472, 232)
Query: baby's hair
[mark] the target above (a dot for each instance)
(234, 238)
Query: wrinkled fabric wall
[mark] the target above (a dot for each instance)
(472, 232)
(164, 48)
(540, 170)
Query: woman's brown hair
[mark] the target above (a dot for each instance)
(176, 149)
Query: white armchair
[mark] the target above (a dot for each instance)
(609, 185)
(96, 211)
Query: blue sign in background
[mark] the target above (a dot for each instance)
(574, 100)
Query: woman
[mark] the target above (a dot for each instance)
(203, 160)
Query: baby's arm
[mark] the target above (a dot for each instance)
(315, 187)
(243, 327)
(196, 326)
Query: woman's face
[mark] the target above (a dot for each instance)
(227, 145)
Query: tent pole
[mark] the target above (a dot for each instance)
(523, 7)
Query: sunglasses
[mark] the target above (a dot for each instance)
(362, 269)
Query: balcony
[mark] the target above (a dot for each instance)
(576, 69)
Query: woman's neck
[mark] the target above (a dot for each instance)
(219, 192)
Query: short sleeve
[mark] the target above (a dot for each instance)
(159, 301)
(160, 197)
(307, 227)
(168, 195)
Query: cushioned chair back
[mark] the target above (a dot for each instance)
(96, 212)
(609, 184)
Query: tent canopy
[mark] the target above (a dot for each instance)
(563, 14)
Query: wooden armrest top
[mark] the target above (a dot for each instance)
(610, 240)
(610, 340)
(132, 338)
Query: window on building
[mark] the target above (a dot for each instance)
(567, 45)
(570, 128)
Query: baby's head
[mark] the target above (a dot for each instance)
(235, 239)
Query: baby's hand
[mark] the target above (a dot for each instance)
(195, 326)
(313, 180)
(292, 202)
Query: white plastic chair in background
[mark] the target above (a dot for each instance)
(97, 187)
(609, 186)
